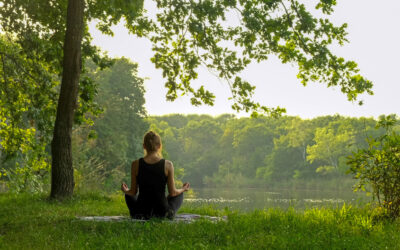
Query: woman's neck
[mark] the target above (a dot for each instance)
(152, 157)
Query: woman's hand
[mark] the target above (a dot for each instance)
(186, 186)
(124, 188)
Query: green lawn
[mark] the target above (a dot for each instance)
(33, 222)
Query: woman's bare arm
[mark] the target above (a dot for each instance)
(134, 172)
(172, 190)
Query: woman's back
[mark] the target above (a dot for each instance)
(151, 180)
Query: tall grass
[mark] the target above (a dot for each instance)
(33, 222)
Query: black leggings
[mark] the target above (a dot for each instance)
(174, 202)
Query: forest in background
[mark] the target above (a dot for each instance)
(258, 152)
(222, 151)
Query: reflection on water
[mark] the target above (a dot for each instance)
(251, 198)
(216, 200)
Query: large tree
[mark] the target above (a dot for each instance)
(62, 172)
(223, 35)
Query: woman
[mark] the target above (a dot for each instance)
(150, 174)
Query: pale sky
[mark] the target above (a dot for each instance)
(374, 38)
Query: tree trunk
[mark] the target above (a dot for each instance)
(62, 172)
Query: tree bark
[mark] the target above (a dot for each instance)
(62, 172)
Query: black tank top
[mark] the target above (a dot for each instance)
(151, 181)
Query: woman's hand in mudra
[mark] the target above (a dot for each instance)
(186, 186)
(124, 188)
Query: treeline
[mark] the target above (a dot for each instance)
(238, 152)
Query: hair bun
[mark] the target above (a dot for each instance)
(151, 141)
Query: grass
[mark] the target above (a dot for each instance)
(33, 222)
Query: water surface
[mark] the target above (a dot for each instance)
(248, 199)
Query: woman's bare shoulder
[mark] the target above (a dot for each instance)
(168, 164)
(135, 164)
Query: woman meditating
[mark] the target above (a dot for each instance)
(149, 175)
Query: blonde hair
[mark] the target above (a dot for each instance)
(152, 143)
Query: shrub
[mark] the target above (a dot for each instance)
(379, 166)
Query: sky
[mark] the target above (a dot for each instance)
(374, 38)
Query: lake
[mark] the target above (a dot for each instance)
(248, 199)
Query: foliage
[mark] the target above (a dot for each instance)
(89, 170)
(33, 222)
(379, 166)
(226, 36)
(27, 108)
(104, 152)
(38, 28)
(329, 147)
(120, 128)
(232, 152)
